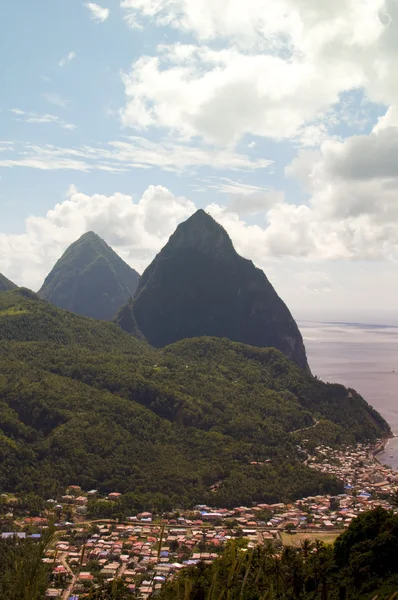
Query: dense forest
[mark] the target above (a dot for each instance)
(83, 402)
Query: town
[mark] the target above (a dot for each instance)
(147, 549)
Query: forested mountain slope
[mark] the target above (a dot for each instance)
(6, 284)
(90, 279)
(83, 402)
(198, 285)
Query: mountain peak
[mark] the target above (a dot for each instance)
(90, 279)
(89, 235)
(202, 232)
(198, 285)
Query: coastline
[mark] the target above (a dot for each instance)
(381, 446)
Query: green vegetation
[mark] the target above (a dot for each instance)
(83, 402)
(5, 284)
(90, 279)
(361, 564)
(114, 590)
(199, 286)
(23, 575)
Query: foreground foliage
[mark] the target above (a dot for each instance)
(83, 402)
(361, 564)
(23, 575)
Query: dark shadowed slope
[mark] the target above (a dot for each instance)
(90, 279)
(6, 284)
(198, 285)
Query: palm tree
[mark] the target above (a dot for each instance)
(306, 548)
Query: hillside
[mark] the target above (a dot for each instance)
(90, 279)
(83, 402)
(199, 286)
(6, 284)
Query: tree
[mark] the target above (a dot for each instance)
(23, 575)
(394, 498)
(174, 545)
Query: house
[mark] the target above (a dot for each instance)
(85, 576)
(11, 534)
(81, 500)
(53, 593)
(114, 496)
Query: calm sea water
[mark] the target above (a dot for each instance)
(361, 356)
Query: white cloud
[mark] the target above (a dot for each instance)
(222, 95)
(279, 71)
(66, 59)
(285, 24)
(98, 13)
(136, 228)
(137, 152)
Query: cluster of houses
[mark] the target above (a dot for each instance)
(141, 553)
(146, 550)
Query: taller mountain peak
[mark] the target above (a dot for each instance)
(90, 279)
(6, 284)
(198, 285)
(202, 232)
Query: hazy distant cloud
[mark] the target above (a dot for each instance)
(66, 59)
(98, 13)
(316, 282)
(245, 198)
(56, 99)
(31, 117)
(138, 152)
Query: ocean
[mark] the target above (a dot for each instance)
(363, 356)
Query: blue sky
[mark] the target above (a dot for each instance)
(127, 115)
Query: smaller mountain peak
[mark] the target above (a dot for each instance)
(90, 279)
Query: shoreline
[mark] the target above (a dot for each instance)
(381, 446)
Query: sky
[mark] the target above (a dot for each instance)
(279, 118)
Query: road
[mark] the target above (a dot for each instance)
(68, 592)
